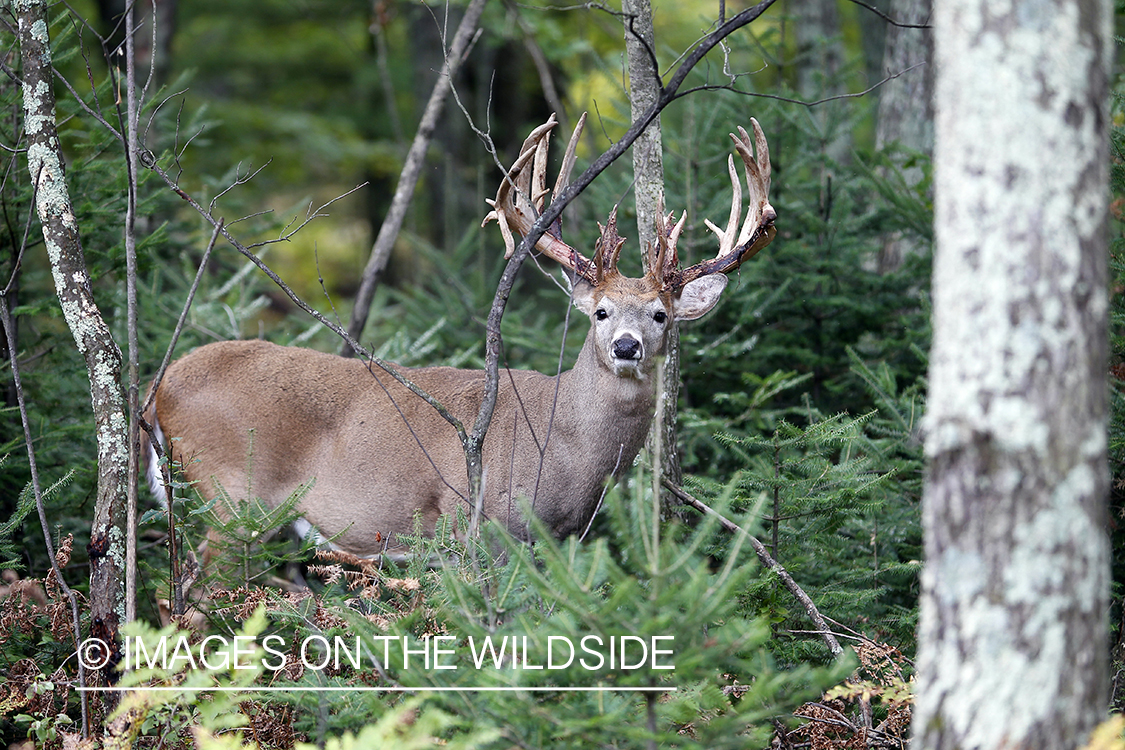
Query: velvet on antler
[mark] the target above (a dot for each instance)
(520, 200)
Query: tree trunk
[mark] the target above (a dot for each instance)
(1012, 637)
(648, 173)
(819, 47)
(91, 334)
(906, 112)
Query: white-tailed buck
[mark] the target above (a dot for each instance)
(259, 418)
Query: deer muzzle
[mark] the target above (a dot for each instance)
(627, 348)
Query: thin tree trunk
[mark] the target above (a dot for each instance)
(906, 112)
(648, 174)
(91, 334)
(133, 385)
(1012, 637)
(820, 64)
(415, 158)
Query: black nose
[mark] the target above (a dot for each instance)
(626, 347)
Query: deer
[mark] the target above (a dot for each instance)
(262, 418)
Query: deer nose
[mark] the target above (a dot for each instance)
(627, 347)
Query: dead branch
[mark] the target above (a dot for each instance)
(790, 100)
(411, 170)
(823, 629)
(888, 19)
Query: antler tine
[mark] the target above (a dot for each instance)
(504, 207)
(738, 245)
(727, 236)
(519, 200)
(568, 158)
(539, 172)
(757, 178)
(607, 249)
(663, 258)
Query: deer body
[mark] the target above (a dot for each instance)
(260, 419)
(321, 416)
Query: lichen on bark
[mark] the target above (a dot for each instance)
(91, 333)
(1012, 642)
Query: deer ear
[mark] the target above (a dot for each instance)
(698, 296)
(582, 295)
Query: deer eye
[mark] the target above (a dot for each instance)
(601, 314)
(660, 316)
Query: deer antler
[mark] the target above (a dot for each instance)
(519, 201)
(735, 245)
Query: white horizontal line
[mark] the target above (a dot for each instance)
(393, 689)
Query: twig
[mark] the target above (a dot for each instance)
(183, 318)
(890, 20)
(810, 608)
(10, 338)
(777, 97)
(601, 498)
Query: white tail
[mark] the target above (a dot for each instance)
(259, 419)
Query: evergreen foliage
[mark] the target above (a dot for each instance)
(717, 684)
(11, 552)
(840, 510)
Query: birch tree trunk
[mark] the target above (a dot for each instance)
(1012, 642)
(91, 334)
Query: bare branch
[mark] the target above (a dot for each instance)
(239, 179)
(411, 170)
(810, 608)
(778, 97)
(890, 20)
